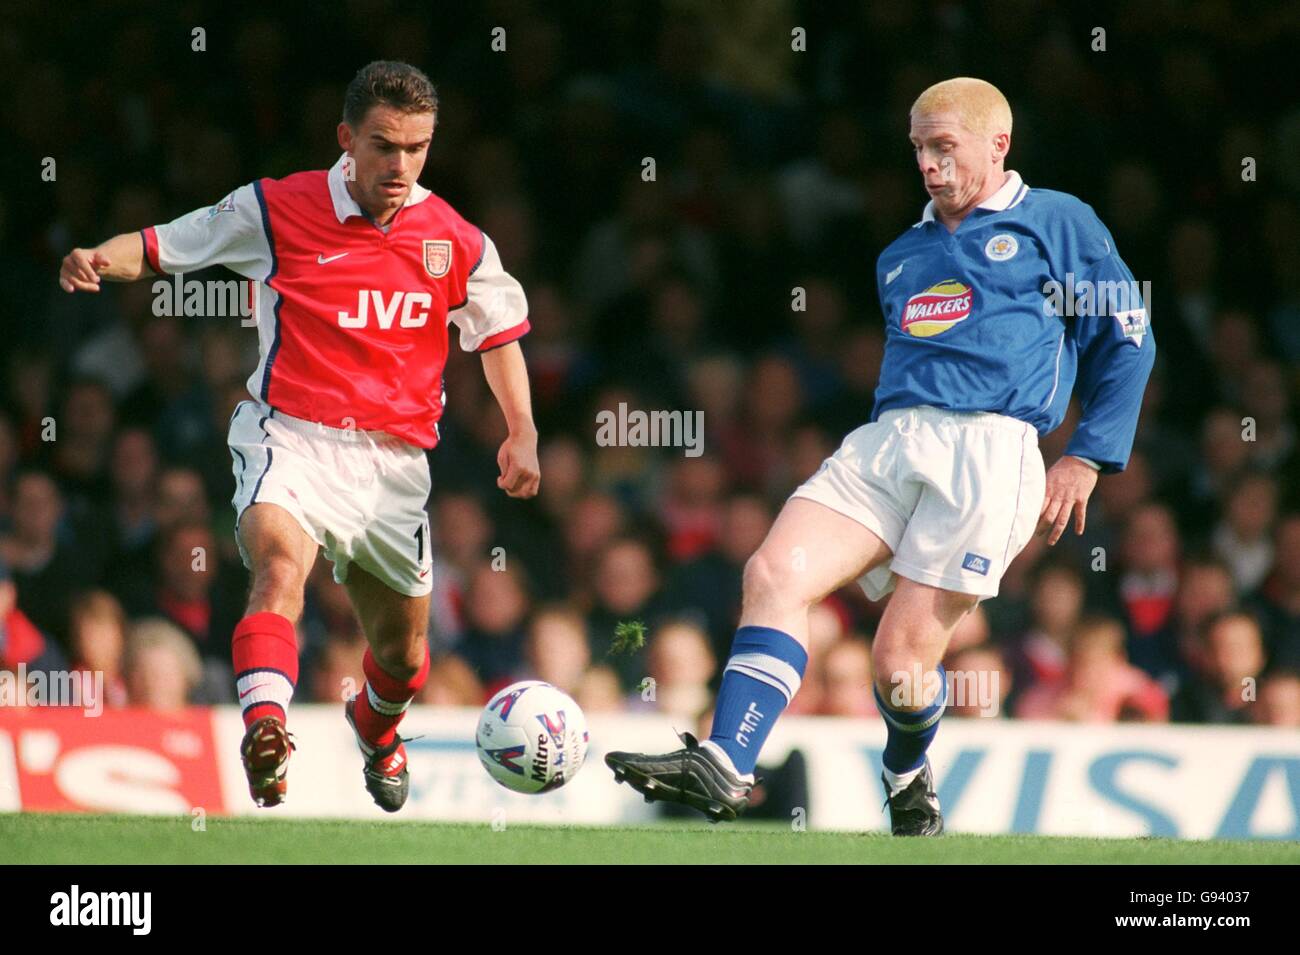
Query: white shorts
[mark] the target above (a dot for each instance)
(955, 496)
(360, 495)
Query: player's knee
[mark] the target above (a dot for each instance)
(899, 662)
(277, 579)
(768, 580)
(401, 655)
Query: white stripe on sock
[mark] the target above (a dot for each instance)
(768, 669)
(382, 706)
(264, 686)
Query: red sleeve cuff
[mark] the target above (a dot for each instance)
(505, 338)
(150, 239)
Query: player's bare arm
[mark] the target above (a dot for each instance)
(120, 259)
(507, 376)
(1070, 482)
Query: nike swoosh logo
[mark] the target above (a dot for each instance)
(252, 688)
(424, 573)
(321, 260)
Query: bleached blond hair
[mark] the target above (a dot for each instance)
(980, 105)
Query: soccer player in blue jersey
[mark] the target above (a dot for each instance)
(998, 304)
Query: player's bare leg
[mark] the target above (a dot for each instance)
(911, 693)
(396, 665)
(810, 551)
(265, 644)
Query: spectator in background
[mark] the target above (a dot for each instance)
(496, 607)
(815, 349)
(452, 683)
(714, 386)
(8, 459)
(20, 641)
(846, 669)
(181, 499)
(1205, 589)
(596, 520)
(982, 682)
(1042, 654)
(1279, 699)
(98, 642)
(463, 531)
(170, 399)
(556, 649)
(131, 518)
(627, 589)
(1119, 499)
(29, 381)
(680, 665)
(773, 399)
(80, 449)
(709, 584)
(859, 355)
(48, 568)
(1099, 684)
(690, 511)
(1278, 601)
(163, 670)
(336, 673)
(1243, 539)
(1009, 615)
(600, 691)
(1223, 689)
(1147, 584)
(187, 591)
(1224, 454)
(1265, 399)
(826, 628)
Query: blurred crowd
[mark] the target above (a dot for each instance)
(774, 170)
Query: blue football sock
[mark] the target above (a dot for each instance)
(761, 678)
(910, 733)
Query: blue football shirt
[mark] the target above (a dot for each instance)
(1026, 300)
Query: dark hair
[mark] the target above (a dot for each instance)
(391, 83)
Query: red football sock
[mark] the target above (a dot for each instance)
(382, 702)
(265, 654)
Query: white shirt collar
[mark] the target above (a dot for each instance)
(345, 205)
(1009, 196)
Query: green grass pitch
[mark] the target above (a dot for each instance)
(86, 839)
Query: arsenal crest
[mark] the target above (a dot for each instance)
(437, 257)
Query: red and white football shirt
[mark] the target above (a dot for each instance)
(352, 319)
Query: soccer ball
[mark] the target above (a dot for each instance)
(532, 737)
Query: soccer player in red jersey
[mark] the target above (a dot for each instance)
(359, 270)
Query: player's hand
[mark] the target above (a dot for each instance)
(80, 270)
(1069, 485)
(520, 473)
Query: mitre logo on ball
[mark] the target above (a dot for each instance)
(937, 309)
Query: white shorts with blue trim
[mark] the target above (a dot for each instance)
(360, 495)
(956, 496)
